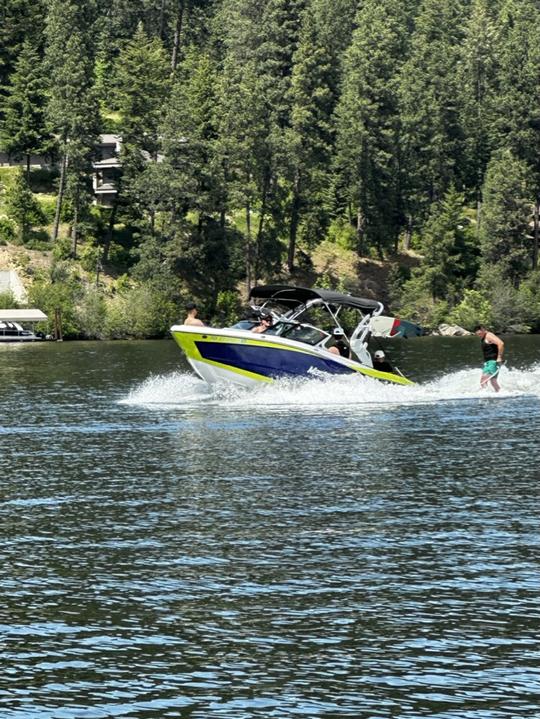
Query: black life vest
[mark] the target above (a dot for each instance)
(342, 348)
(490, 350)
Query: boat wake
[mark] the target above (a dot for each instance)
(184, 389)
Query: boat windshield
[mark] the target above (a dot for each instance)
(299, 332)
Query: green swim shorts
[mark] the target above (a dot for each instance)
(490, 367)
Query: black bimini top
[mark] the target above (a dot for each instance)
(294, 296)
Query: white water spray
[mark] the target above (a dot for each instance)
(183, 389)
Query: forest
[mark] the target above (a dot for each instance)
(251, 132)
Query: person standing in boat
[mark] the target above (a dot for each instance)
(191, 318)
(493, 350)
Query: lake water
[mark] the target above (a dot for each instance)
(336, 548)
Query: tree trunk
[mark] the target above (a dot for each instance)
(75, 228)
(408, 235)
(536, 233)
(295, 220)
(248, 247)
(60, 197)
(360, 231)
(161, 19)
(28, 167)
(262, 218)
(109, 235)
(177, 34)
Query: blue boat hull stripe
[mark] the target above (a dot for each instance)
(268, 361)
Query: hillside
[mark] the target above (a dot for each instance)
(330, 265)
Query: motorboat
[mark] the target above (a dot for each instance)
(301, 341)
(14, 332)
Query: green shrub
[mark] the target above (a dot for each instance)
(8, 301)
(48, 207)
(473, 309)
(62, 248)
(89, 257)
(119, 256)
(43, 179)
(60, 295)
(418, 304)
(7, 175)
(140, 312)
(529, 300)
(227, 308)
(343, 234)
(7, 231)
(90, 315)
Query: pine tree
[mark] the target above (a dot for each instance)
(23, 129)
(310, 140)
(72, 109)
(142, 80)
(368, 127)
(431, 138)
(507, 203)
(517, 114)
(448, 248)
(476, 85)
(202, 244)
(22, 207)
(244, 142)
(20, 21)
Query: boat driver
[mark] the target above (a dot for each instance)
(265, 323)
(340, 346)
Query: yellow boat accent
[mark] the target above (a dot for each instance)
(187, 342)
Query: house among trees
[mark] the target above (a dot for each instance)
(106, 170)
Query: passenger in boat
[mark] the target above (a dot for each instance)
(191, 318)
(265, 323)
(340, 346)
(381, 363)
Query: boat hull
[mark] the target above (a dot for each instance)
(245, 358)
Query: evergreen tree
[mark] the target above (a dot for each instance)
(280, 29)
(202, 244)
(72, 109)
(507, 204)
(367, 122)
(22, 207)
(246, 157)
(449, 251)
(23, 130)
(431, 138)
(244, 142)
(476, 74)
(142, 80)
(314, 89)
(517, 118)
(20, 21)
(277, 44)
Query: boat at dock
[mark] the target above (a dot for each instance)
(14, 332)
(12, 327)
